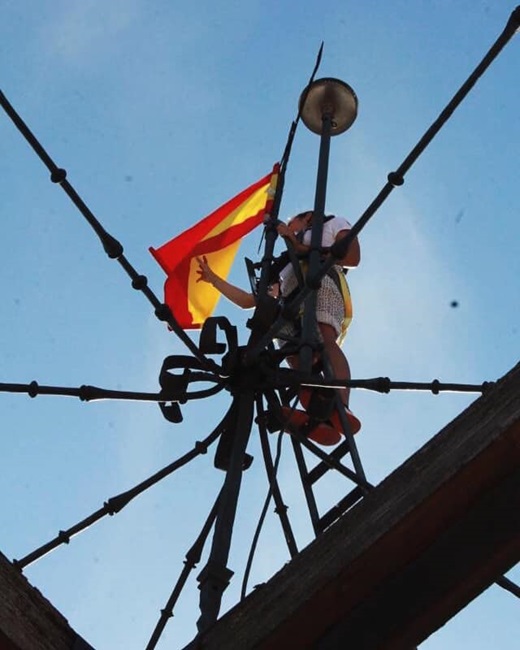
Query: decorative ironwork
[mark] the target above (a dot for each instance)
(251, 373)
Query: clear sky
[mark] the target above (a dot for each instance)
(160, 111)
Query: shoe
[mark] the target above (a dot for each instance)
(354, 422)
(334, 419)
(297, 421)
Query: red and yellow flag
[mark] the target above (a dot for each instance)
(217, 237)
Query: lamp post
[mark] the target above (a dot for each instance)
(328, 107)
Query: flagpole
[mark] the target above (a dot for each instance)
(272, 218)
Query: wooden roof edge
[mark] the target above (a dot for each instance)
(28, 621)
(479, 448)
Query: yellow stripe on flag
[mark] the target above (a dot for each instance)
(218, 237)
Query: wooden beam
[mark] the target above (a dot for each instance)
(463, 561)
(425, 542)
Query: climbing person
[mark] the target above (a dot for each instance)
(333, 313)
(333, 302)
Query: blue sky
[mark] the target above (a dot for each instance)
(160, 111)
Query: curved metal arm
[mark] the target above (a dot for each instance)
(192, 559)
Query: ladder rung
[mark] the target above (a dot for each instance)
(317, 472)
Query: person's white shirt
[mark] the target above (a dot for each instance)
(331, 228)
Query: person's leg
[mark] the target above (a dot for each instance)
(337, 360)
(340, 370)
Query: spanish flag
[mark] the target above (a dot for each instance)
(217, 237)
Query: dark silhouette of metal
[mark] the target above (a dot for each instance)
(192, 559)
(272, 219)
(88, 393)
(509, 585)
(329, 107)
(274, 489)
(251, 373)
(273, 493)
(115, 504)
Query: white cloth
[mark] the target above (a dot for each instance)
(331, 228)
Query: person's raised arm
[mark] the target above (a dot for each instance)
(238, 296)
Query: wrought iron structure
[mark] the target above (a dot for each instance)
(251, 373)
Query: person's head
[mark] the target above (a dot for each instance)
(300, 221)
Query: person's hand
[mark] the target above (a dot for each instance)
(205, 272)
(283, 230)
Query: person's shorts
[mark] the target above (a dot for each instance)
(330, 310)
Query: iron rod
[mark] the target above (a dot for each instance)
(307, 487)
(192, 559)
(215, 576)
(259, 526)
(272, 469)
(87, 393)
(508, 585)
(309, 337)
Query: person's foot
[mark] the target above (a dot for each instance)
(298, 421)
(334, 419)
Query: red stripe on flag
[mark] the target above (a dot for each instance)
(167, 254)
(175, 256)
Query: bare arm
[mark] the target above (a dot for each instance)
(238, 296)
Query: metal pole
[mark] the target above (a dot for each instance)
(309, 325)
(215, 576)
